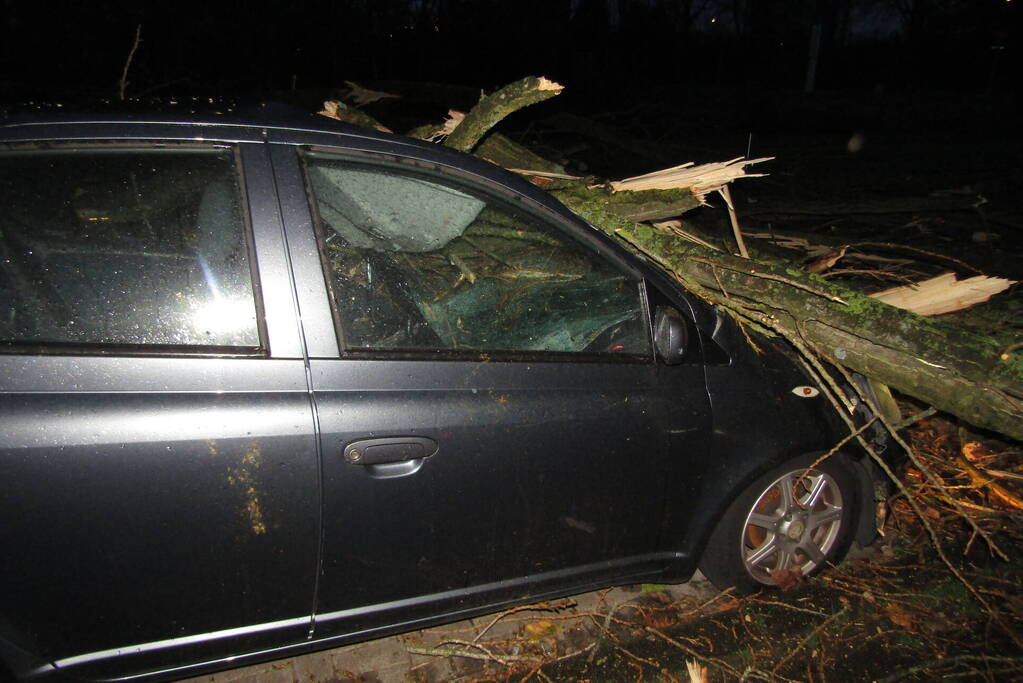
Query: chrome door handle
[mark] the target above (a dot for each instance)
(367, 452)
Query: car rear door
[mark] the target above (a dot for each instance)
(157, 453)
(494, 424)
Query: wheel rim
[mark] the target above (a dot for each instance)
(793, 525)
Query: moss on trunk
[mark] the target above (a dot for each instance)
(953, 370)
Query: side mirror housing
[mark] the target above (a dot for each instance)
(671, 335)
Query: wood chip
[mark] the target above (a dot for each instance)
(943, 294)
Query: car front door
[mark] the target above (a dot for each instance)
(495, 424)
(158, 468)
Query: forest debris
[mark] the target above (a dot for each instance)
(899, 616)
(363, 96)
(944, 293)
(340, 111)
(970, 452)
(787, 579)
(700, 180)
(825, 262)
(697, 673)
(454, 118)
(539, 629)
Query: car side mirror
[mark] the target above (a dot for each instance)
(671, 335)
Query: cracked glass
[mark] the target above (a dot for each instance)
(414, 263)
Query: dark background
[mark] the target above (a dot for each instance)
(603, 50)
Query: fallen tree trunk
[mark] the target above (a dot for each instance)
(957, 372)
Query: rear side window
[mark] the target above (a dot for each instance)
(418, 262)
(124, 246)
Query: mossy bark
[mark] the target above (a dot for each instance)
(651, 205)
(494, 107)
(500, 150)
(953, 370)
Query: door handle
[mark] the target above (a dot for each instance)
(368, 452)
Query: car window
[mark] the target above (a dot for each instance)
(124, 246)
(416, 262)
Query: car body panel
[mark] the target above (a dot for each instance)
(191, 512)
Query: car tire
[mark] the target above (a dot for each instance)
(768, 538)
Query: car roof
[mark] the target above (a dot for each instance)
(293, 125)
(265, 115)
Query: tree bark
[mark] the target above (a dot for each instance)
(492, 108)
(961, 373)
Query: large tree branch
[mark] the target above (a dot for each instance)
(961, 373)
(492, 108)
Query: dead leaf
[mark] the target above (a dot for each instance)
(787, 579)
(899, 616)
(541, 628)
(829, 259)
(974, 451)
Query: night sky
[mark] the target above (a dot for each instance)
(75, 51)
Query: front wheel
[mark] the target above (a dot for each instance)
(790, 522)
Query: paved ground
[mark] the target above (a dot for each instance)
(388, 660)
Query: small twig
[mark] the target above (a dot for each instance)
(726, 194)
(933, 254)
(1007, 353)
(834, 449)
(786, 605)
(123, 85)
(469, 653)
(537, 607)
(949, 661)
(935, 541)
(803, 643)
(710, 661)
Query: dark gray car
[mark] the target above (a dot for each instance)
(272, 387)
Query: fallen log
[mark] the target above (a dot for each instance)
(960, 373)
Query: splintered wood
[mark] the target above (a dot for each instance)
(700, 180)
(944, 294)
(454, 118)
